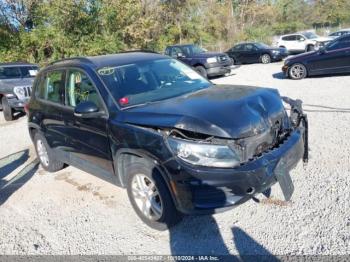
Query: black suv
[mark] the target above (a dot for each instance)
(208, 64)
(178, 143)
(16, 80)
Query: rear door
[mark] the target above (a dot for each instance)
(299, 43)
(49, 102)
(87, 138)
(236, 53)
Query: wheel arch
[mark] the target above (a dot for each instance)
(125, 157)
(33, 129)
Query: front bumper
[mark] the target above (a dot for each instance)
(217, 69)
(17, 104)
(285, 69)
(204, 190)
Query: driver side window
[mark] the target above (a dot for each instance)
(79, 89)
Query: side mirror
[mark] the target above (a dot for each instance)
(301, 39)
(86, 109)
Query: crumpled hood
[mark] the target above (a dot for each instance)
(222, 111)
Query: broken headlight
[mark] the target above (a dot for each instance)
(204, 154)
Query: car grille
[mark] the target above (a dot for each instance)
(27, 91)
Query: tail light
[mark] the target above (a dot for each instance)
(26, 108)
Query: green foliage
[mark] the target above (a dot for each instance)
(41, 31)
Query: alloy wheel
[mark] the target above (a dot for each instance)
(265, 59)
(42, 152)
(298, 71)
(147, 197)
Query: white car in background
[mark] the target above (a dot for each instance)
(302, 42)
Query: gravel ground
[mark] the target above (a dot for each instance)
(71, 212)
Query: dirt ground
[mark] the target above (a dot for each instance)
(72, 212)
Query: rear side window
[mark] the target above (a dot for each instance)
(342, 43)
(80, 88)
(289, 38)
(51, 87)
(238, 47)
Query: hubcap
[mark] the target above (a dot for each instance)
(265, 59)
(42, 152)
(147, 197)
(298, 71)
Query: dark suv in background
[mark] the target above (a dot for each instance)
(208, 64)
(178, 143)
(16, 80)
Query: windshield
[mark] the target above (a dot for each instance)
(192, 49)
(310, 35)
(18, 72)
(151, 81)
(262, 45)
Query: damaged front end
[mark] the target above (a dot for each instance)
(218, 173)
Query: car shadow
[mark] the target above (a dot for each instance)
(9, 163)
(279, 75)
(201, 235)
(7, 166)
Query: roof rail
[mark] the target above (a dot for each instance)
(140, 50)
(82, 59)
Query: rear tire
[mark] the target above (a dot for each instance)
(310, 48)
(150, 196)
(7, 110)
(202, 71)
(46, 155)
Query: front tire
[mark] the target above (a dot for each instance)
(265, 59)
(297, 72)
(202, 71)
(150, 197)
(310, 48)
(46, 155)
(7, 110)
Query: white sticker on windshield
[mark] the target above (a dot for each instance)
(106, 71)
(33, 72)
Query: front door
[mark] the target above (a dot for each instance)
(251, 53)
(87, 138)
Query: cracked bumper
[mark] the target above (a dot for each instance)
(200, 190)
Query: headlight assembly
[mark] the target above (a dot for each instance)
(19, 91)
(275, 52)
(204, 154)
(212, 60)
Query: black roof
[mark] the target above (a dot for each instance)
(111, 60)
(179, 45)
(17, 64)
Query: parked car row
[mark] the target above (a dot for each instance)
(334, 58)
